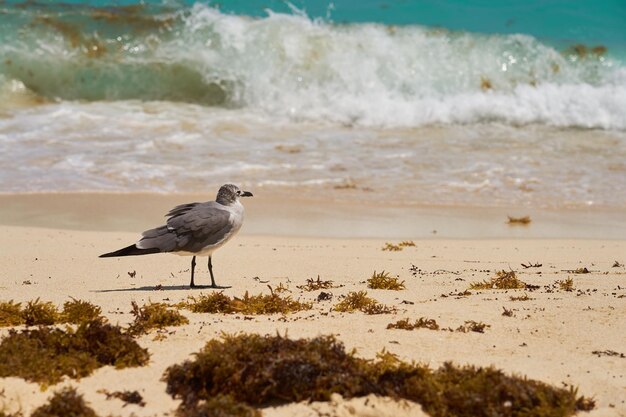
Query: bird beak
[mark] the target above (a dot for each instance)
(246, 194)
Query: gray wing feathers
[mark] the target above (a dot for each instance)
(182, 209)
(190, 227)
(161, 238)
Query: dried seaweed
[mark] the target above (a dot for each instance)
(566, 284)
(65, 403)
(40, 313)
(504, 280)
(472, 326)
(129, 397)
(524, 297)
(268, 370)
(359, 301)
(383, 281)
(45, 355)
(607, 352)
(45, 313)
(272, 303)
(154, 316)
(79, 311)
(216, 302)
(316, 284)
(390, 247)
(11, 314)
(519, 220)
(421, 323)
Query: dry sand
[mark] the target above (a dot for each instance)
(550, 337)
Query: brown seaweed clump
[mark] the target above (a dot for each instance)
(421, 323)
(504, 280)
(390, 247)
(44, 355)
(566, 284)
(359, 301)
(268, 370)
(65, 403)
(128, 397)
(154, 316)
(10, 314)
(519, 220)
(316, 284)
(524, 297)
(40, 313)
(396, 248)
(44, 313)
(383, 281)
(472, 326)
(79, 311)
(272, 303)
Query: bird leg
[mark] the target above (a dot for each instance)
(193, 266)
(211, 272)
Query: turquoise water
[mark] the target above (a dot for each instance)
(597, 22)
(562, 22)
(594, 22)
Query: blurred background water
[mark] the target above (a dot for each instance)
(458, 103)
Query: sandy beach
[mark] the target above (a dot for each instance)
(550, 337)
(438, 225)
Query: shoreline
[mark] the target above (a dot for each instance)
(275, 215)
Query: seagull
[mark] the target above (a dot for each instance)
(193, 229)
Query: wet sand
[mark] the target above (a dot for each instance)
(291, 214)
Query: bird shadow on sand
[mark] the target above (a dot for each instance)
(153, 288)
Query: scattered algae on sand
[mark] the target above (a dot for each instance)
(272, 303)
(359, 301)
(421, 323)
(154, 316)
(316, 284)
(383, 281)
(504, 280)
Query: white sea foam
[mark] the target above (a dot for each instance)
(289, 66)
(374, 75)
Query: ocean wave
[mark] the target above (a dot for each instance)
(287, 65)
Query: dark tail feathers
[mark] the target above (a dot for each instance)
(129, 251)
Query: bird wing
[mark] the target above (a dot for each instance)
(190, 228)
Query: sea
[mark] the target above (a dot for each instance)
(475, 103)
